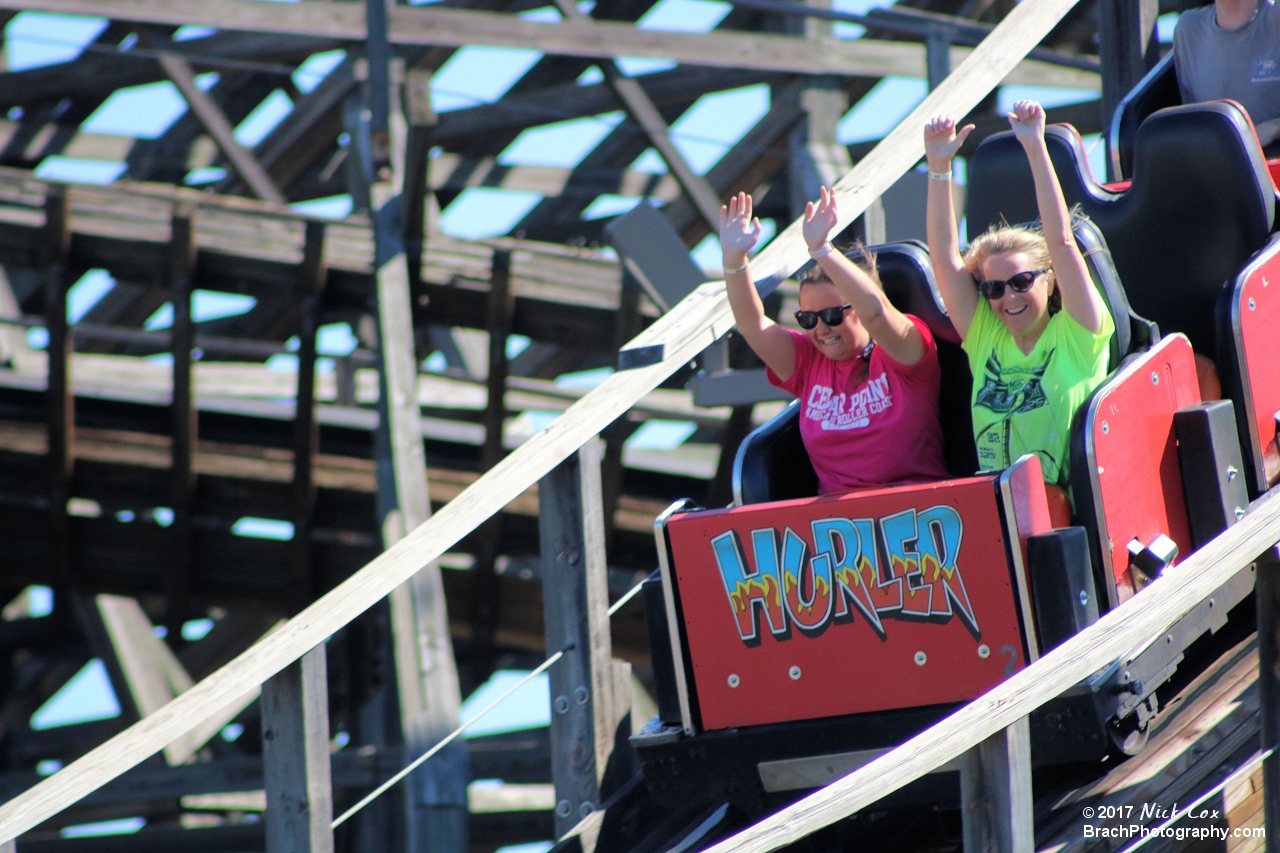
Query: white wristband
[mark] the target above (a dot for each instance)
(742, 268)
(940, 176)
(820, 252)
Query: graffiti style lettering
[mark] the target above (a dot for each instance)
(806, 585)
(900, 534)
(886, 593)
(939, 545)
(750, 592)
(854, 574)
(920, 578)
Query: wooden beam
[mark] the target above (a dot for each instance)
(587, 705)
(458, 28)
(55, 242)
(1129, 49)
(645, 114)
(524, 108)
(417, 170)
(996, 808)
(182, 262)
(306, 132)
(626, 326)
(295, 757)
(679, 335)
(215, 123)
(306, 428)
(435, 796)
(1268, 598)
(763, 152)
(485, 603)
(153, 674)
(104, 71)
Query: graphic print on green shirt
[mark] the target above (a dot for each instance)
(1024, 402)
(1005, 393)
(1014, 391)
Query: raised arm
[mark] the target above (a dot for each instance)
(1080, 298)
(739, 231)
(888, 326)
(941, 142)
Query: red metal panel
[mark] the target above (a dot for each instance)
(1026, 513)
(1257, 312)
(1139, 482)
(1029, 503)
(866, 601)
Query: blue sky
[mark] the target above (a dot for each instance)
(477, 75)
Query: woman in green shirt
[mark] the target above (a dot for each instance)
(1034, 327)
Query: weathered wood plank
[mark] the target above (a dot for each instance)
(575, 602)
(995, 792)
(1128, 47)
(215, 123)
(458, 28)
(306, 428)
(644, 113)
(484, 612)
(295, 757)
(182, 259)
(1268, 598)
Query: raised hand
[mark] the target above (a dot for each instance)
(942, 141)
(819, 219)
(1027, 120)
(739, 230)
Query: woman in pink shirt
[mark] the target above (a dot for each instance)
(866, 374)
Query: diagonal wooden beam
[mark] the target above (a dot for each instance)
(212, 119)
(645, 114)
(424, 25)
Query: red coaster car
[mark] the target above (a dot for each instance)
(797, 637)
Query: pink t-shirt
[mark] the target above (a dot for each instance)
(882, 432)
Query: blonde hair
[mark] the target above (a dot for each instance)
(1012, 239)
(862, 257)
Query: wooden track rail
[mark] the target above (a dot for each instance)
(692, 325)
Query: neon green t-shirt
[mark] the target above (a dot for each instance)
(1025, 403)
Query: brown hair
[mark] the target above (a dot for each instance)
(1012, 239)
(862, 257)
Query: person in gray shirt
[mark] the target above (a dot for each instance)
(1231, 49)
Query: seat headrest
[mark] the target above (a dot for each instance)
(907, 276)
(1201, 203)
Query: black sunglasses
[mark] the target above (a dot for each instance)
(993, 288)
(832, 316)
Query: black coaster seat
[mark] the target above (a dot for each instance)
(772, 465)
